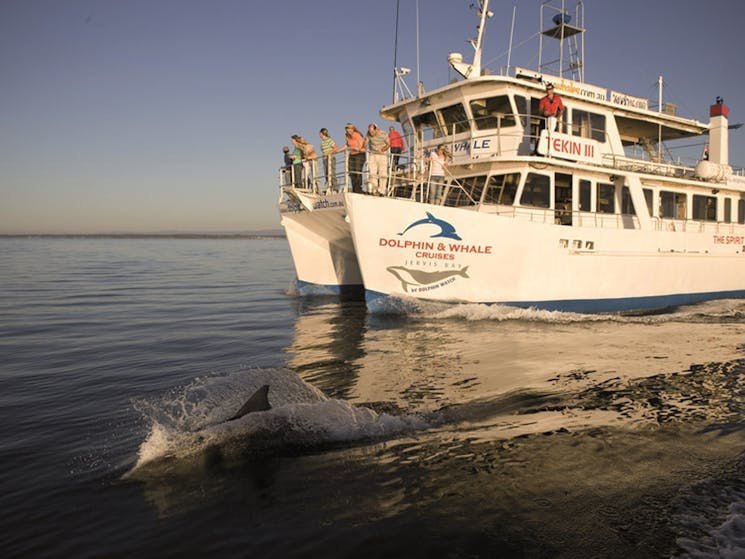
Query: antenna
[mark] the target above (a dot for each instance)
(395, 53)
(512, 31)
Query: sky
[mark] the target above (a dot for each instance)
(170, 115)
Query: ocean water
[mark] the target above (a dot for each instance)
(442, 431)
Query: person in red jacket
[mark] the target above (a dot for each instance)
(397, 146)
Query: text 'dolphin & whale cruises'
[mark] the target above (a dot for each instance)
(580, 212)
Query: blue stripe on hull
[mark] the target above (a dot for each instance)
(347, 291)
(381, 303)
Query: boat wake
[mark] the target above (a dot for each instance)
(718, 311)
(196, 426)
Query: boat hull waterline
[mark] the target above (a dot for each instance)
(321, 246)
(440, 253)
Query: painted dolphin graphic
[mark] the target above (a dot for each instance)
(408, 276)
(259, 401)
(446, 230)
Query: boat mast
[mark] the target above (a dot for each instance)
(473, 70)
(569, 32)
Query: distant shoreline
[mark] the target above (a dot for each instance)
(254, 236)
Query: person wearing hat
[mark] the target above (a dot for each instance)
(377, 165)
(356, 144)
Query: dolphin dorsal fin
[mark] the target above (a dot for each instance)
(259, 401)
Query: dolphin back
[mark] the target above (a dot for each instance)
(259, 401)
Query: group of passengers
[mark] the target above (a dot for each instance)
(300, 163)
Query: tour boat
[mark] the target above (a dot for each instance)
(587, 214)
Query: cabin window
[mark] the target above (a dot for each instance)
(502, 189)
(537, 191)
(728, 210)
(427, 126)
(672, 204)
(741, 211)
(492, 112)
(704, 207)
(588, 125)
(455, 119)
(627, 204)
(522, 109)
(648, 197)
(466, 191)
(606, 198)
(585, 196)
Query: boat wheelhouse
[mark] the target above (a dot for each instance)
(587, 214)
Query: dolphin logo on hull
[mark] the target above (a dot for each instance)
(409, 277)
(446, 229)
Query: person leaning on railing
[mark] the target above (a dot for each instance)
(397, 146)
(356, 145)
(550, 105)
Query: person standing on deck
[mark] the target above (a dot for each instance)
(356, 144)
(437, 166)
(377, 166)
(309, 161)
(297, 162)
(397, 146)
(328, 148)
(550, 105)
(287, 167)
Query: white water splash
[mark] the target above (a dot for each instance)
(188, 422)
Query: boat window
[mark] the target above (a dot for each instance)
(522, 109)
(648, 197)
(455, 119)
(704, 207)
(502, 189)
(627, 204)
(466, 191)
(606, 198)
(492, 112)
(536, 191)
(585, 196)
(427, 126)
(588, 125)
(728, 210)
(741, 211)
(672, 204)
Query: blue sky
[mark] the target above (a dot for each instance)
(163, 115)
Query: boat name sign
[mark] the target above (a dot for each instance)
(565, 146)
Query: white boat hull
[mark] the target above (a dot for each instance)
(409, 249)
(321, 245)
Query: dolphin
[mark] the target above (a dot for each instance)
(408, 277)
(259, 401)
(299, 417)
(446, 229)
